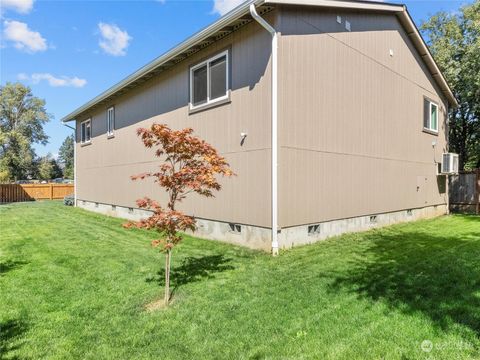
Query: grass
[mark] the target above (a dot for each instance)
(74, 284)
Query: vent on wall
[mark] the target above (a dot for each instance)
(348, 26)
(235, 228)
(114, 207)
(409, 212)
(130, 210)
(373, 219)
(96, 205)
(313, 229)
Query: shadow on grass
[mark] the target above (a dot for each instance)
(193, 269)
(10, 331)
(418, 272)
(9, 265)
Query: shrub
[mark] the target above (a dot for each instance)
(69, 200)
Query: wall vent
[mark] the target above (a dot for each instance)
(235, 228)
(313, 229)
(373, 219)
(130, 210)
(114, 207)
(96, 205)
(409, 212)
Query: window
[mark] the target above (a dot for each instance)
(86, 132)
(430, 116)
(110, 121)
(209, 81)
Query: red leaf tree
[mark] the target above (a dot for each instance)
(190, 165)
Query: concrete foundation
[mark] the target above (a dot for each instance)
(254, 237)
(299, 235)
(260, 238)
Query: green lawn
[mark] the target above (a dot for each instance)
(74, 284)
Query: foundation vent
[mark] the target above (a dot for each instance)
(130, 210)
(313, 229)
(96, 205)
(114, 207)
(235, 228)
(409, 212)
(373, 219)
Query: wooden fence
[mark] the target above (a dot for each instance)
(28, 192)
(464, 192)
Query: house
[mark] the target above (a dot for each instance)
(332, 113)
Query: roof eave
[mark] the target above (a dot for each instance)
(202, 34)
(399, 10)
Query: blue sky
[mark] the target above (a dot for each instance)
(70, 51)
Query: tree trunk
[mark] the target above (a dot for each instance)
(168, 256)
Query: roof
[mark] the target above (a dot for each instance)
(240, 16)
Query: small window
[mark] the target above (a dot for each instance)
(110, 121)
(430, 116)
(86, 131)
(209, 81)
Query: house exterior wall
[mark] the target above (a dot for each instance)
(104, 167)
(351, 139)
(351, 119)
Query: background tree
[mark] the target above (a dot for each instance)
(66, 156)
(454, 40)
(22, 117)
(190, 165)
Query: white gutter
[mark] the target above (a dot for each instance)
(273, 33)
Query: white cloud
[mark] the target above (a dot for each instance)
(114, 41)
(20, 6)
(22, 37)
(61, 81)
(223, 6)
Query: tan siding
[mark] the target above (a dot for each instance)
(351, 119)
(104, 167)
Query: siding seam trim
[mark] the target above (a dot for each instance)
(356, 155)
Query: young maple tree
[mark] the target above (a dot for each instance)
(190, 166)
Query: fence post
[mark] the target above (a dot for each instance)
(51, 191)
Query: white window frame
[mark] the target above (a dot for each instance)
(83, 141)
(429, 128)
(227, 82)
(110, 132)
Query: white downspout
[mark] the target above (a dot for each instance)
(274, 164)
